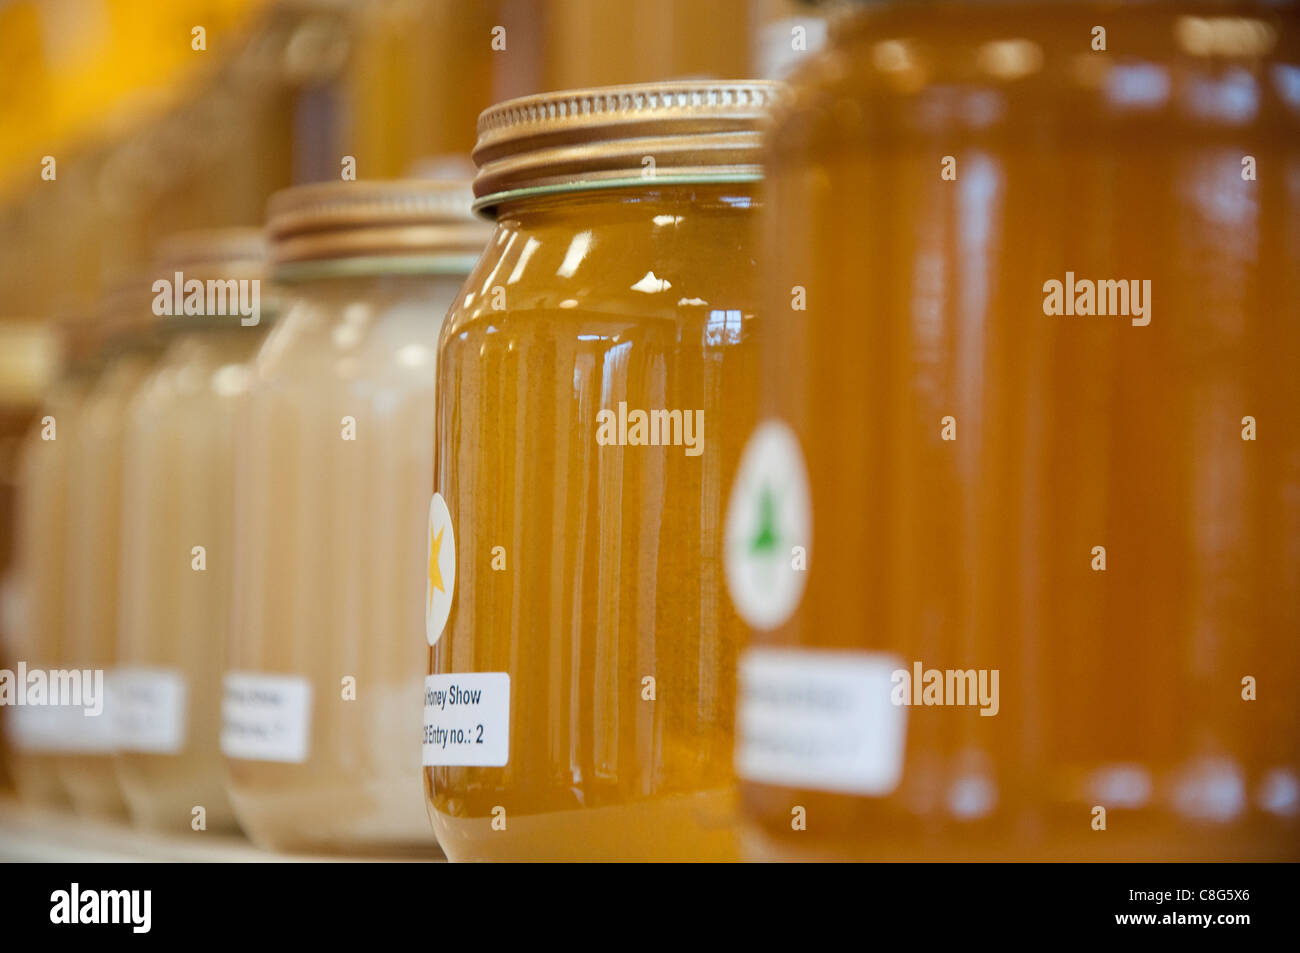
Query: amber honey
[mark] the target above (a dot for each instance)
(587, 524)
(1075, 499)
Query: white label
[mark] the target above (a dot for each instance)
(31, 727)
(55, 728)
(84, 733)
(467, 719)
(150, 705)
(266, 717)
(86, 727)
(820, 720)
(768, 532)
(441, 585)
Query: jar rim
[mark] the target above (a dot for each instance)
(489, 203)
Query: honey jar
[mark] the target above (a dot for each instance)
(212, 310)
(333, 463)
(34, 596)
(92, 547)
(1029, 412)
(595, 379)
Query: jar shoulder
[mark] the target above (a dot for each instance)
(324, 337)
(674, 264)
(1066, 72)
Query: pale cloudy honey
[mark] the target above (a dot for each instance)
(40, 561)
(334, 461)
(178, 543)
(90, 635)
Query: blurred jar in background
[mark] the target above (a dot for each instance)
(402, 103)
(1031, 270)
(594, 381)
(28, 358)
(178, 528)
(93, 539)
(334, 466)
(595, 43)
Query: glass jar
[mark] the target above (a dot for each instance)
(96, 461)
(593, 380)
(178, 528)
(1047, 263)
(40, 561)
(333, 469)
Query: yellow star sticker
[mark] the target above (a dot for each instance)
(435, 548)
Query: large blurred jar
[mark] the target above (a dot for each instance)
(93, 540)
(595, 381)
(326, 658)
(1033, 287)
(178, 528)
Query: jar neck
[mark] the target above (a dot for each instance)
(649, 203)
(372, 268)
(378, 285)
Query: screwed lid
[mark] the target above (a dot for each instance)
(657, 133)
(213, 253)
(400, 219)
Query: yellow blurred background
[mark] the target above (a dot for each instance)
(124, 120)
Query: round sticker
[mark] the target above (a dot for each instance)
(442, 569)
(769, 527)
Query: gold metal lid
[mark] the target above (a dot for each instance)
(619, 136)
(213, 253)
(406, 219)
